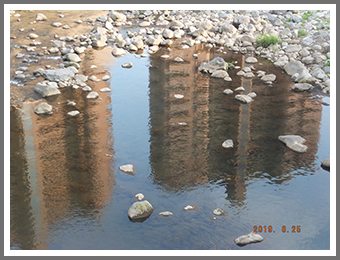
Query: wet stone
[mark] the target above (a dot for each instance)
(127, 65)
(128, 168)
(140, 211)
(73, 113)
(92, 95)
(228, 143)
(244, 98)
(139, 196)
(294, 142)
(191, 207)
(247, 239)
(165, 213)
(228, 91)
(219, 212)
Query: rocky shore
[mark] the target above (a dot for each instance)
(302, 49)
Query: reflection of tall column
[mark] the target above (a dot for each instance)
(72, 172)
(178, 154)
(24, 206)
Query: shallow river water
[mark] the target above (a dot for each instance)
(67, 191)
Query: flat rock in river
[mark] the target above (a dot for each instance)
(247, 239)
(294, 142)
(128, 168)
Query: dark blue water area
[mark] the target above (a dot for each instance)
(264, 184)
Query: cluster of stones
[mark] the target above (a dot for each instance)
(235, 30)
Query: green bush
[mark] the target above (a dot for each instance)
(265, 40)
(302, 32)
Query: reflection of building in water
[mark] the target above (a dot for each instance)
(71, 176)
(182, 157)
(179, 153)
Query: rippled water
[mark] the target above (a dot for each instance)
(67, 191)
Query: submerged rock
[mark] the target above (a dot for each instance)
(128, 168)
(247, 239)
(140, 211)
(43, 108)
(294, 142)
(165, 213)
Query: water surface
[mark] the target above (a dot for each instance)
(67, 191)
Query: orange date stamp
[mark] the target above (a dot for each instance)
(269, 229)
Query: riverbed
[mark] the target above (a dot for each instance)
(67, 191)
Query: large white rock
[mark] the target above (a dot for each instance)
(58, 74)
(140, 211)
(244, 98)
(92, 95)
(294, 142)
(251, 60)
(247, 239)
(219, 212)
(47, 89)
(40, 17)
(73, 113)
(43, 108)
(165, 213)
(128, 168)
(118, 52)
(228, 143)
(302, 87)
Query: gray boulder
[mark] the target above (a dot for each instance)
(43, 108)
(176, 25)
(47, 89)
(72, 57)
(268, 77)
(302, 87)
(116, 16)
(58, 74)
(140, 211)
(247, 239)
(251, 60)
(168, 34)
(297, 69)
(219, 74)
(228, 28)
(294, 142)
(219, 212)
(217, 63)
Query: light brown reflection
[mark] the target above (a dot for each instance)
(212, 117)
(72, 176)
(179, 154)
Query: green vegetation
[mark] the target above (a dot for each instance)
(265, 40)
(302, 32)
(328, 63)
(306, 15)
